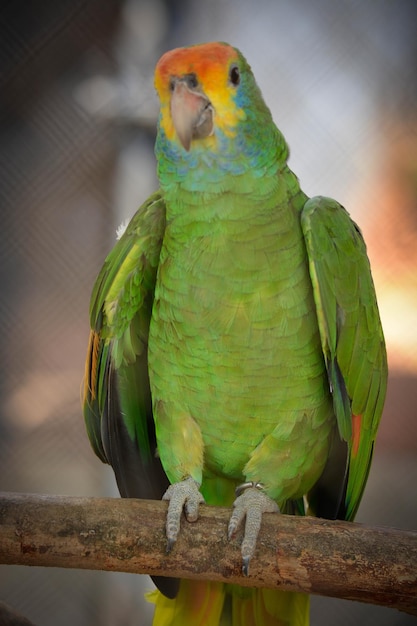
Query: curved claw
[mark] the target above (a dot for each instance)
(182, 496)
(251, 504)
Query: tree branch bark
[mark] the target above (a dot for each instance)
(339, 559)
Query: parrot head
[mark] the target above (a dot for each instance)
(213, 119)
(208, 94)
(198, 88)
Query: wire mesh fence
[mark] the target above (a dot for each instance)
(77, 131)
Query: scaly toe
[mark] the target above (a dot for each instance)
(182, 496)
(250, 504)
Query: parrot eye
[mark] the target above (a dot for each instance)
(234, 75)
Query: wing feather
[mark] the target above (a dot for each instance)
(351, 334)
(117, 397)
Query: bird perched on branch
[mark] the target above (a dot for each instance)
(236, 354)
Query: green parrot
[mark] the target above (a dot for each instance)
(236, 354)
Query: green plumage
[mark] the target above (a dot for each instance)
(235, 325)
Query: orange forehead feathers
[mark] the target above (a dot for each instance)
(210, 61)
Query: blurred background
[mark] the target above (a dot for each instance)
(77, 127)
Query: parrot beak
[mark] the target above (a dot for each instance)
(191, 111)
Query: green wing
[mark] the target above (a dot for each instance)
(351, 335)
(117, 400)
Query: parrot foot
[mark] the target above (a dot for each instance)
(182, 496)
(251, 503)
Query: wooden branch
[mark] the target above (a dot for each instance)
(339, 559)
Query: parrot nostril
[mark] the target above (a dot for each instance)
(191, 80)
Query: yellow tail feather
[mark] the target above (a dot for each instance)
(201, 603)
